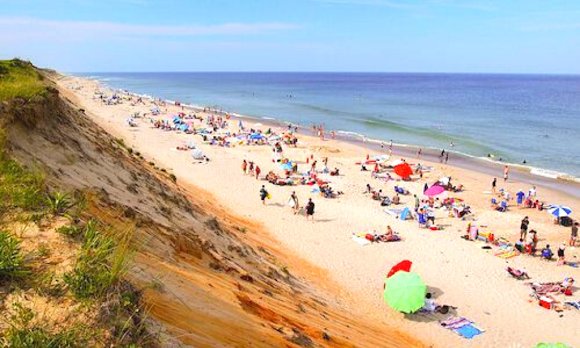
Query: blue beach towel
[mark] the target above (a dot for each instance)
(468, 331)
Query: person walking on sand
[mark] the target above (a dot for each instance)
(245, 166)
(263, 194)
(446, 157)
(506, 172)
(524, 228)
(251, 168)
(561, 258)
(258, 171)
(294, 202)
(310, 209)
(419, 152)
(493, 185)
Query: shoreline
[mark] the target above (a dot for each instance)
(562, 182)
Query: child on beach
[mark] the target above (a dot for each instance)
(310, 210)
(561, 259)
(263, 194)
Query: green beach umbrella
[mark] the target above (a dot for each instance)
(551, 345)
(405, 292)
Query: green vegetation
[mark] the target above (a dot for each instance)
(58, 203)
(19, 188)
(11, 259)
(98, 267)
(23, 333)
(20, 79)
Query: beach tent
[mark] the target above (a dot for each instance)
(197, 154)
(434, 190)
(403, 170)
(405, 292)
(404, 214)
(257, 136)
(404, 266)
(559, 211)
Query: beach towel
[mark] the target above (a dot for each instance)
(545, 288)
(393, 212)
(360, 240)
(468, 331)
(462, 326)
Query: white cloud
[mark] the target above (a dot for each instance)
(28, 27)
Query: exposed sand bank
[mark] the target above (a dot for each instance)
(458, 272)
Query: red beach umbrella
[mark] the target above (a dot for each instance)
(403, 170)
(404, 266)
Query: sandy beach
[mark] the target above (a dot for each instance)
(458, 272)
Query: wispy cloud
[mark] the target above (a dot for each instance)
(416, 5)
(35, 26)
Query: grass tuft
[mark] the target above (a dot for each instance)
(11, 259)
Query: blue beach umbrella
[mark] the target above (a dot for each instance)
(560, 211)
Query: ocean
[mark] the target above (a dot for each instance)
(531, 118)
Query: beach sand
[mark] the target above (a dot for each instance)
(458, 272)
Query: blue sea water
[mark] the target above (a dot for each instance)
(516, 117)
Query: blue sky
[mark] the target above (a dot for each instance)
(508, 36)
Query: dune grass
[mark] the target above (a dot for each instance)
(19, 78)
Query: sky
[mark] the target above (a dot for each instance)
(503, 36)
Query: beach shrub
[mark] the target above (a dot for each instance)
(11, 259)
(19, 79)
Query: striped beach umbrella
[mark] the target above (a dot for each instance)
(560, 211)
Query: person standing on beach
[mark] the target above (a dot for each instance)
(416, 202)
(524, 228)
(506, 172)
(574, 234)
(263, 194)
(310, 209)
(419, 152)
(258, 171)
(446, 157)
(294, 202)
(251, 169)
(245, 166)
(441, 155)
(493, 185)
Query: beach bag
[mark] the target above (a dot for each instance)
(269, 196)
(369, 237)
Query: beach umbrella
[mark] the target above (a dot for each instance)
(404, 266)
(405, 292)
(197, 154)
(434, 190)
(560, 211)
(403, 170)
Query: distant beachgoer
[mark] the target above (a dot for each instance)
(532, 192)
(258, 171)
(425, 187)
(446, 157)
(369, 189)
(493, 185)
(524, 228)
(382, 145)
(416, 202)
(263, 194)
(547, 252)
(244, 166)
(294, 202)
(441, 155)
(574, 234)
(561, 259)
(310, 209)
(506, 172)
(419, 152)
